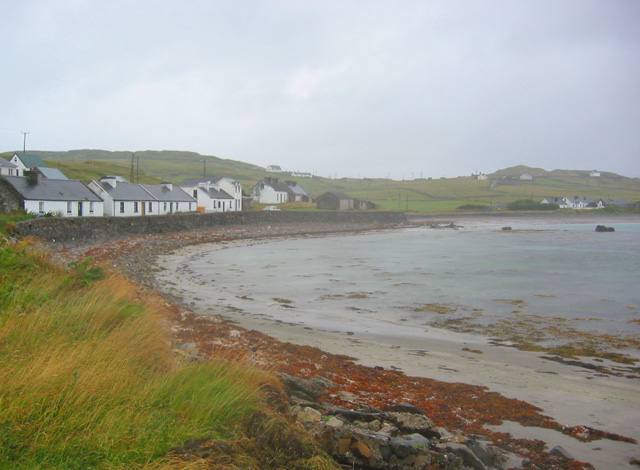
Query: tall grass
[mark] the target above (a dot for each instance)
(88, 378)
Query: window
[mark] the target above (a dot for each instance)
(150, 207)
(122, 207)
(135, 207)
(91, 207)
(195, 193)
(69, 207)
(41, 207)
(165, 207)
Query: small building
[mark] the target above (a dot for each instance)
(38, 195)
(9, 169)
(335, 201)
(594, 174)
(482, 177)
(273, 169)
(526, 177)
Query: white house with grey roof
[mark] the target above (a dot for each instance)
(38, 195)
(27, 161)
(122, 199)
(214, 194)
(270, 191)
(9, 169)
(170, 199)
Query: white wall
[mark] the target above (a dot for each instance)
(62, 208)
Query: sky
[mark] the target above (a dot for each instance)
(401, 89)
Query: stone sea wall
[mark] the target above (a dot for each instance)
(78, 229)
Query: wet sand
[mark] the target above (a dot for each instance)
(571, 395)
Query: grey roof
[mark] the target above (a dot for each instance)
(52, 173)
(52, 190)
(297, 189)
(195, 181)
(4, 163)
(216, 194)
(338, 194)
(30, 160)
(163, 193)
(126, 192)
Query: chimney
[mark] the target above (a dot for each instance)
(110, 180)
(167, 186)
(34, 177)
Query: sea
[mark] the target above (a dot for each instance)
(561, 278)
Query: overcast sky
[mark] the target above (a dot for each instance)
(341, 88)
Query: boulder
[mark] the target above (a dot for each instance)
(602, 228)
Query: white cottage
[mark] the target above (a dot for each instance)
(215, 194)
(270, 191)
(66, 198)
(9, 169)
(123, 199)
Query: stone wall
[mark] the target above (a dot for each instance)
(68, 229)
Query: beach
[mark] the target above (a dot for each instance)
(570, 394)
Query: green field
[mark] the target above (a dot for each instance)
(420, 195)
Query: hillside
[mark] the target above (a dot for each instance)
(418, 195)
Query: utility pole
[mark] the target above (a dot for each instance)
(204, 169)
(137, 168)
(24, 140)
(132, 173)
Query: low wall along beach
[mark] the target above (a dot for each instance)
(63, 229)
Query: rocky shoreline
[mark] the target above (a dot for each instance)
(351, 411)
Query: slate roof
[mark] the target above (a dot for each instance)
(162, 193)
(52, 190)
(339, 195)
(4, 163)
(195, 181)
(126, 192)
(297, 190)
(215, 194)
(30, 160)
(52, 173)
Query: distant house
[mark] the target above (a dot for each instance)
(123, 199)
(574, 202)
(215, 194)
(38, 195)
(273, 169)
(335, 201)
(615, 202)
(299, 174)
(270, 191)
(526, 177)
(594, 174)
(209, 197)
(482, 177)
(169, 199)
(9, 169)
(296, 193)
(27, 161)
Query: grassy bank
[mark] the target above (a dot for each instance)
(89, 380)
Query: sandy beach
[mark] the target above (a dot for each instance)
(572, 395)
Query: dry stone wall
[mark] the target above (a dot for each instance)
(77, 229)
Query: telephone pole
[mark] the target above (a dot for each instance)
(24, 140)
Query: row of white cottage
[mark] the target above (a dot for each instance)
(26, 183)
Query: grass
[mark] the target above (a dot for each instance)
(8, 219)
(89, 379)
